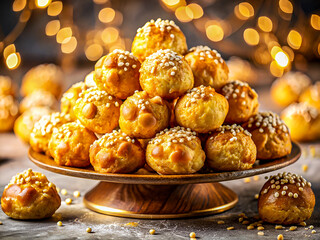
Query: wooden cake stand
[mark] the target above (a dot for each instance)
(153, 196)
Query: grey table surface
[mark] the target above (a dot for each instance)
(76, 218)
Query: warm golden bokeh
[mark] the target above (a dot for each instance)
(55, 8)
(19, 5)
(275, 69)
(244, 10)
(196, 10)
(64, 33)
(42, 3)
(69, 45)
(109, 35)
(106, 15)
(52, 27)
(315, 21)
(282, 59)
(286, 6)
(215, 32)
(251, 36)
(8, 50)
(13, 60)
(265, 24)
(294, 39)
(184, 14)
(94, 52)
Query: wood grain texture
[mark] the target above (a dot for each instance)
(151, 201)
(259, 167)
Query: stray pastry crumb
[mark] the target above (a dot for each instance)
(247, 180)
(303, 224)
(131, 224)
(261, 233)
(230, 228)
(312, 151)
(256, 196)
(89, 230)
(59, 223)
(76, 194)
(250, 227)
(240, 219)
(260, 228)
(280, 237)
(313, 231)
(256, 178)
(192, 235)
(152, 231)
(311, 227)
(293, 228)
(278, 227)
(304, 167)
(68, 201)
(220, 222)
(64, 192)
(245, 222)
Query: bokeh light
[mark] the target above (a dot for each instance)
(109, 35)
(52, 27)
(69, 45)
(55, 8)
(42, 3)
(282, 59)
(63, 33)
(100, 1)
(19, 5)
(275, 70)
(251, 36)
(265, 24)
(196, 10)
(286, 6)
(315, 21)
(294, 39)
(215, 32)
(244, 11)
(13, 60)
(184, 14)
(94, 52)
(9, 50)
(106, 15)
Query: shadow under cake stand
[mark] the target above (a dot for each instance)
(153, 196)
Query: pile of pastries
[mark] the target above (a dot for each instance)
(301, 100)
(160, 107)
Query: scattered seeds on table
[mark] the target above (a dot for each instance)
(76, 194)
(64, 192)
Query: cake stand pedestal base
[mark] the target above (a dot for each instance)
(160, 201)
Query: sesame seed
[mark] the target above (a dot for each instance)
(230, 228)
(59, 223)
(89, 230)
(280, 237)
(192, 235)
(152, 231)
(68, 201)
(261, 233)
(76, 194)
(293, 228)
(221, 222)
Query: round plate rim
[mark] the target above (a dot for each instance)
(155, 179)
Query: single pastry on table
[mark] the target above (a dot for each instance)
(202, 109)
(242, 99)
(208, 68)
(311, 95)
(89, 80)
(43, 129)
(39, 98)
(142, 116)
(175, 151)
(166, 74)
(24, 124)
(7, 87)
(230, 148)
(70, 143)
(156, 35)
(287, 199)
(8, 112)
(287, 89)
(118, 74)
(270, 135)
(116, 152)
(47, 77)
(69, 98)
(303, 121)
(97, 110)
(29, 195)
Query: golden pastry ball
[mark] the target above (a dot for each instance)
(70, 143)
(156, 35)
(242, 99)
(89, 80)
(24, 124)
(311, 96)
(8, 112)
(287, 89)
(7, 87)
(43, 129)
(98, 111)
(39, 98)
(142, 116)
(166, 74)
(270, 135)
(116, 152)
(303, 121)
(175, 151)
(230, 148)
(48, 77)
(202, 109)
(118, 74)
(286, 199)
(70, 97)
(29, 195)
(208, 68)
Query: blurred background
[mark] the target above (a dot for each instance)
(264, 39)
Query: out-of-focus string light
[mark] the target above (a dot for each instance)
(52, 27)
(286, 6)
(109, 35)
(63, 34)
(9, 50)
(244, 10)
(289, 51)
(55, 8)
(94, 52)
(251, 36)
(25, 16)
(196, 10)
(184, 14)
(294, 39)
(13, 60)
(19, 5)
(275, 70)
(106, 15)
(265, 24)
(282, 59)
(215, 32)
(315, 21)
(69, 45)
(42, 3)
(100, 1)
